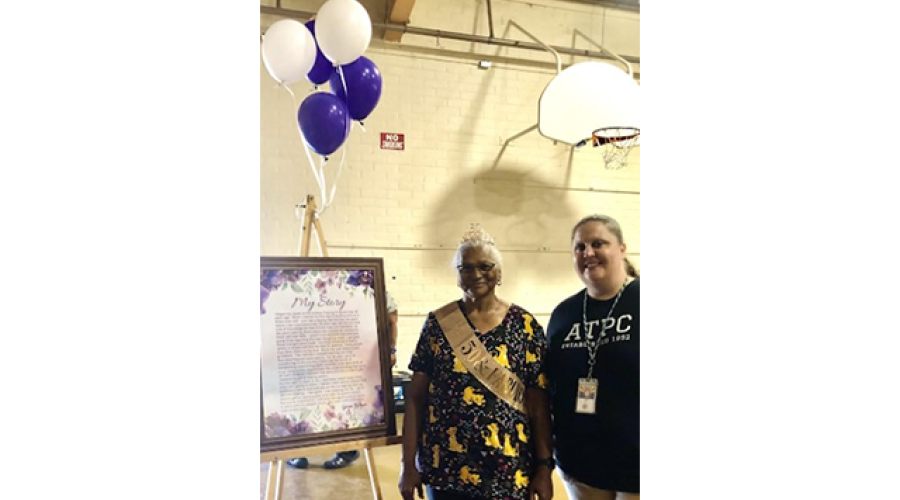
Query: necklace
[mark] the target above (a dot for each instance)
(592, 348)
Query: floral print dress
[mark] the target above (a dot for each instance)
(473, 442)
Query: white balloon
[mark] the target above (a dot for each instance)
(288, 51)
(343, 30)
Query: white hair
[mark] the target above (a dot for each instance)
(477, 237)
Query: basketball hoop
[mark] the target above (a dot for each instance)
(617, 143)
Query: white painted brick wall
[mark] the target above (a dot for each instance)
(455, 118)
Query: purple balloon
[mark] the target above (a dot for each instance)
(322, 69)
(324, 122)
(363, 86)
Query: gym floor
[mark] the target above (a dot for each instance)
(352, 482)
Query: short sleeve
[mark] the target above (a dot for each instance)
(423, 357)
(391, 304)
(535, 353)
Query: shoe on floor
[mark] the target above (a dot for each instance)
(341, 460)
(298, 463)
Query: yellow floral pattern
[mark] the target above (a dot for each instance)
(473, 442)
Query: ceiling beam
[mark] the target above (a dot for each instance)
(629, 5)
(400, 12)
(450, 35)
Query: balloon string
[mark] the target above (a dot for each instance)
(285, 87)
(322, 162)
(336, 177)
(320, 177)
(297, 210)
(334, 182)
(319, 173)
(343, 83)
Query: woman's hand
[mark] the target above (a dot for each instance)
(541, 485)
(410, 479)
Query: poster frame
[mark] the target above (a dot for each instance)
(387, 428)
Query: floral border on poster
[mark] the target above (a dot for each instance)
(327, 422)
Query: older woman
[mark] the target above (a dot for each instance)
(476, 412)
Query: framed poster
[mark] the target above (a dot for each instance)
(324, 352)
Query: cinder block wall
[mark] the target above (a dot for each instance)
(410, 207)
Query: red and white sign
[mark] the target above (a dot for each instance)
(390, 140)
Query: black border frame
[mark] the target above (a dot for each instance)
(389, 428)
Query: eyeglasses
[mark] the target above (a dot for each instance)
(484, 267)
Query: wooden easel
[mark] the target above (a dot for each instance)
(277, 459)
(310, 222)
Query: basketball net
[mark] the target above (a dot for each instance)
(616, 143)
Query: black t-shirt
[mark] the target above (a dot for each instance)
(600, 450)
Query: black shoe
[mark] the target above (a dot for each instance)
(341, 460)
(298, 463)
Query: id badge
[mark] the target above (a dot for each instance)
(587, 396)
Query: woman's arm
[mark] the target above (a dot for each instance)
(537, 403)
(392, 319)
(416, 403)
